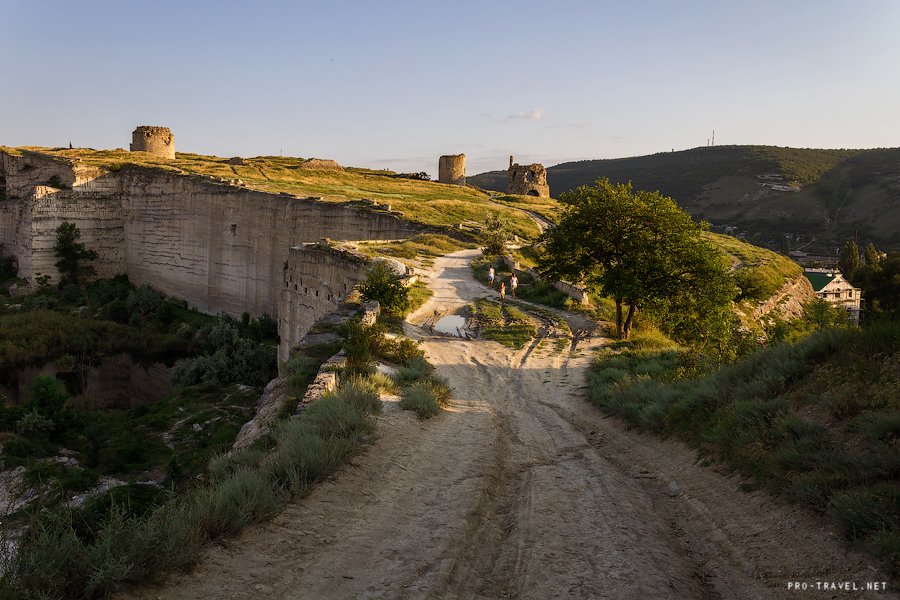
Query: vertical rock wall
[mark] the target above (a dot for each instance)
(223, 248)
(15, 232)
(316, 280)
(99, 218)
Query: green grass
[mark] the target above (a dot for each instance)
(429, 245)
(418, 295)
(59, 557)
(427, 202)
(816, 421)
(504, 324)
(549, 208)
(426, 397)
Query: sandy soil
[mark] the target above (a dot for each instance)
(523, 490)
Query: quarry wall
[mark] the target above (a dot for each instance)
(218, 246)
(223, 247)
(15, 232)
(99, 217)
(316, 280)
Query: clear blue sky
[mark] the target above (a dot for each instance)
(393, 84)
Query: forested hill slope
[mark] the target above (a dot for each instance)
(768, 191)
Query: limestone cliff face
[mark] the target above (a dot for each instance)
(220, 247)
(316, 280)
(32, 210)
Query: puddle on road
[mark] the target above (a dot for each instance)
(451, 325)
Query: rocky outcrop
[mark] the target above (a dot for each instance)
(788, 300)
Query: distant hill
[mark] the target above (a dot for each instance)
(767, 191)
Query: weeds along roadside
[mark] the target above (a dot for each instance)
(69, 552)
(816, 422)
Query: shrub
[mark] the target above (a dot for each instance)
(494, 235)
(426, 397)
(414, 370)
(71, 253)
(235, 359)
(35, 425)
(144, 300)
(384, 285)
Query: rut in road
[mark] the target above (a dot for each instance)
(520, 489)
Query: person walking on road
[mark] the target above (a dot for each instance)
(513, 284)
(502, 291)
(491, 277)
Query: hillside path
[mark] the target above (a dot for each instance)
(521, 489)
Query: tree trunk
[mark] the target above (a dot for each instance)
(619, 318)
(626, 330)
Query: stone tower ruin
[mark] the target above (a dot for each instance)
(452, 169)
(527, 180)
(158, 141)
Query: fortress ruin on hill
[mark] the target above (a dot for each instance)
(213, 243)
(158, 141)
(452, 169)
(527, 180)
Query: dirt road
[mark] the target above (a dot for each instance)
(523, 490)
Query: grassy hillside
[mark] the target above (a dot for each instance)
(842, 192)
(816, 422)
(427, 202)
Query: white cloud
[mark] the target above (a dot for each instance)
(537, 114)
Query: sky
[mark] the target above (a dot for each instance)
(394, 84)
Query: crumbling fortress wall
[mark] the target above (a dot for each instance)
(527, 180)
(452, 169)
(158, 141)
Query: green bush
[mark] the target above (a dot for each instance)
(385, 286)
(426, 397)
(35, 425)
(133, 533)
(234, 360)
(414, 370)
(144, 300)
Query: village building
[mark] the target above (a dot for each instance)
(830, 285)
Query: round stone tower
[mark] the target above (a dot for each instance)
(158, 141)
(452, 169)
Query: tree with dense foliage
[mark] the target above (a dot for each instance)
(385, 285)
(880, 285)
(643, 251)
(849, 260)
(818, 314)
(871, 255)
(70, 253)
(494, 235)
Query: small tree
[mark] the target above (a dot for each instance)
(644, 252)
(70, 254)
(495, 235)
(849, 260)
(871, 255)
(384, 285)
